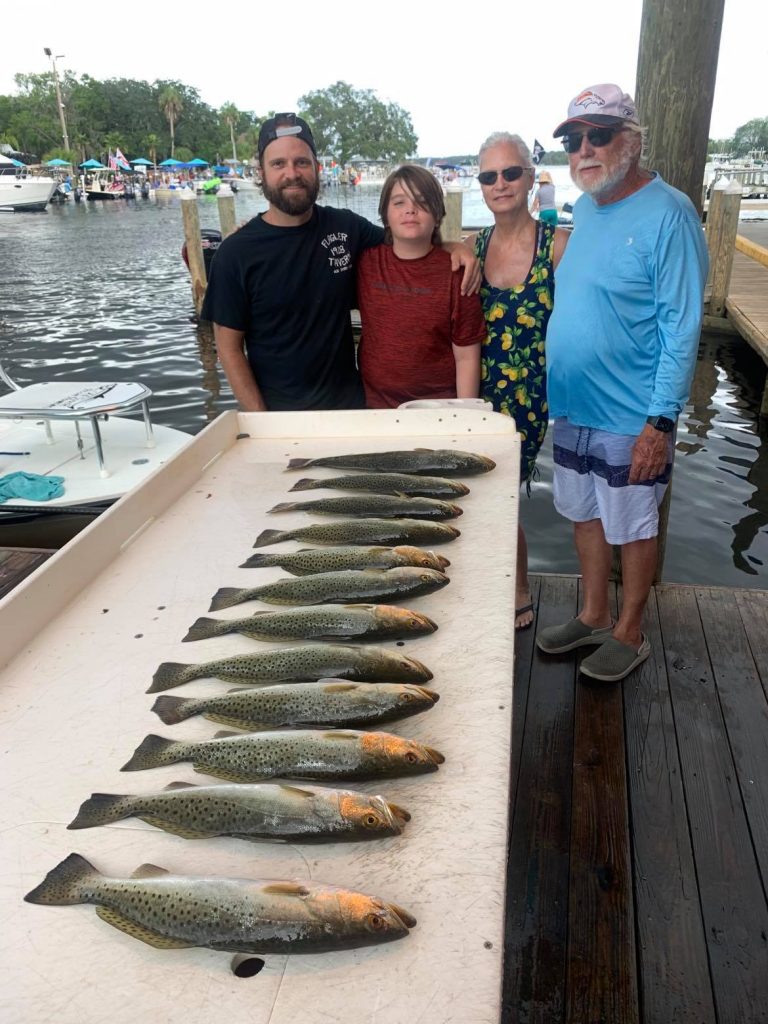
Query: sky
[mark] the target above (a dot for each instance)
(461, 71)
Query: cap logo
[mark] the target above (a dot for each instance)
(293, 129)
(588, 99)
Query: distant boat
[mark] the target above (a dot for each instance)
(22, 191)
(105, 189)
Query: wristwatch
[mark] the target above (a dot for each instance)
(662, 423)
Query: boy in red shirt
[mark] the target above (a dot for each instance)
(421, 337)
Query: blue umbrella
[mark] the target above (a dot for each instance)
(143, 161)
(92, 164)
(59, 163)
(197, 162)
(170, 162)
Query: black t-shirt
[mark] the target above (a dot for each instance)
(290, 291)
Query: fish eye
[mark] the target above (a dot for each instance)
(406, 698)
(375, 922)
(426, 577)
(413, 622)
(372, 820)
(411, 758)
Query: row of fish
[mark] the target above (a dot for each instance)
(291, 687)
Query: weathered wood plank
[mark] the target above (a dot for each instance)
(672, 954)
(537, 874)
(18, 563)
(525, 640)
(732, 897)
(753, 608)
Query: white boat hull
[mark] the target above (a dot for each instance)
(25, 193)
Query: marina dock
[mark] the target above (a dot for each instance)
(638, 858)
(747, 301)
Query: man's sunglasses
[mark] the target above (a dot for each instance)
(508, 174)
(597, 137)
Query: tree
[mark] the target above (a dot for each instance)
(752, 135)
(172, 106)
(151, 142)
(231, 116)
(347, 122)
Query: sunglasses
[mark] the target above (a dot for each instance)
(597, 137)
(508, 174)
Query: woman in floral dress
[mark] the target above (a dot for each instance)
(518, 256)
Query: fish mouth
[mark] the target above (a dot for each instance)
(398, 814)
(422, 668)
(488, 462)
(461, 488)
(406, 920)
(427, 624)
(444, 562)
(435, 756)
(457, 511)
(433, 695)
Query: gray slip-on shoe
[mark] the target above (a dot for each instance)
(567, 636)
(613, 660)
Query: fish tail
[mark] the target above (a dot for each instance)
(284, 506)
(305, 484)
(226, 597)
(299, 463)
(172, 673)
(65, 884)
(204, 628)
(102, 809)
(267, 537)
(256, 561)
(172, 710)
(153, 752)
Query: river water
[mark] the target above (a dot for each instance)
(98, 290)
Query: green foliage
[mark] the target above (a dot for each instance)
(752, 135)
(349, 122)
(184, 154)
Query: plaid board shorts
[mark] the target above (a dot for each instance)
(591, 481)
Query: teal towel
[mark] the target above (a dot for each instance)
(30, 487)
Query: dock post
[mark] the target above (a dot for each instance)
(194, 247)
(722, 227)
(226, 205)
(450, 229)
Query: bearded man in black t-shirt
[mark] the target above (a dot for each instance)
(281, 288)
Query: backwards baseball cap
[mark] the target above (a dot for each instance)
(282, 125)
(601, 106)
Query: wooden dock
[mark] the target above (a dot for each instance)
(638, 858)
(17, 563)
(747, 302)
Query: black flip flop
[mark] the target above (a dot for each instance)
(522, 611)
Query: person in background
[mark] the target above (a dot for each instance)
(621, 350)
(281, 288)
(421, 337)
(518, 256)
(544, 200)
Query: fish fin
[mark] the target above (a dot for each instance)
(423, 449)
(140, 931)
(286, 889)
(179, 785)
(62, 885)
(226, 597)
(340, 736)
(175, 829)
(255, 561)
(152, 752)
(297, 791)
(149, 871)
(170, 674)
(257, 839)
(222, 773)
(172, 710)
(340, 687)
(305, 484)
(102, 809)
(223, 734)
(234, 723)
(267, 537)
(299, 463)
(204, 629)
(284, 506)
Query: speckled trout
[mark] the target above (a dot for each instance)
(332, 703)
(351, 586)
(321, 622)
(269, 811)
(300, 754)
(364, 531)
(442, 461)
(310, 561)
(409, 484)
(299, 664)
(236, 915)
(375, 506)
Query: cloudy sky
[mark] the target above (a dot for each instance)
(462, 69)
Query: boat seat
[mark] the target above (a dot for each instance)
(75, 401)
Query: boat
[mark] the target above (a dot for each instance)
(76, 430)
(104, 188)
(22, 191)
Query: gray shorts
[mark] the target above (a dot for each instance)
(591, 481)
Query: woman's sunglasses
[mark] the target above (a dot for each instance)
(508, 174)
(597, 137)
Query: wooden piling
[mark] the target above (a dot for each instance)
(194, 247)
(722, 227)
(450, 229)
(226, 205)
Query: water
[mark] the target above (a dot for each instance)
(97, 290)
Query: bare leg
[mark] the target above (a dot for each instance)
(638, 565)
(595, 560)
(522, 585)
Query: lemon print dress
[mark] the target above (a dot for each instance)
(513, 363)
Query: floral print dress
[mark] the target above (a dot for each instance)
(513, 364)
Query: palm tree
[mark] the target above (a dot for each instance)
(151, 141)
(231, 115)
(171, 106)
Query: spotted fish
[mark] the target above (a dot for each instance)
(442, 461)
(309, 561)
(375, 506)
(364, 531)
(387, 483)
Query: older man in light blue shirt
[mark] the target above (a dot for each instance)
(621, 350)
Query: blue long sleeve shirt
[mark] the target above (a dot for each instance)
(624, 333)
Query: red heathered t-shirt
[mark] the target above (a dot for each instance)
(412, 313)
